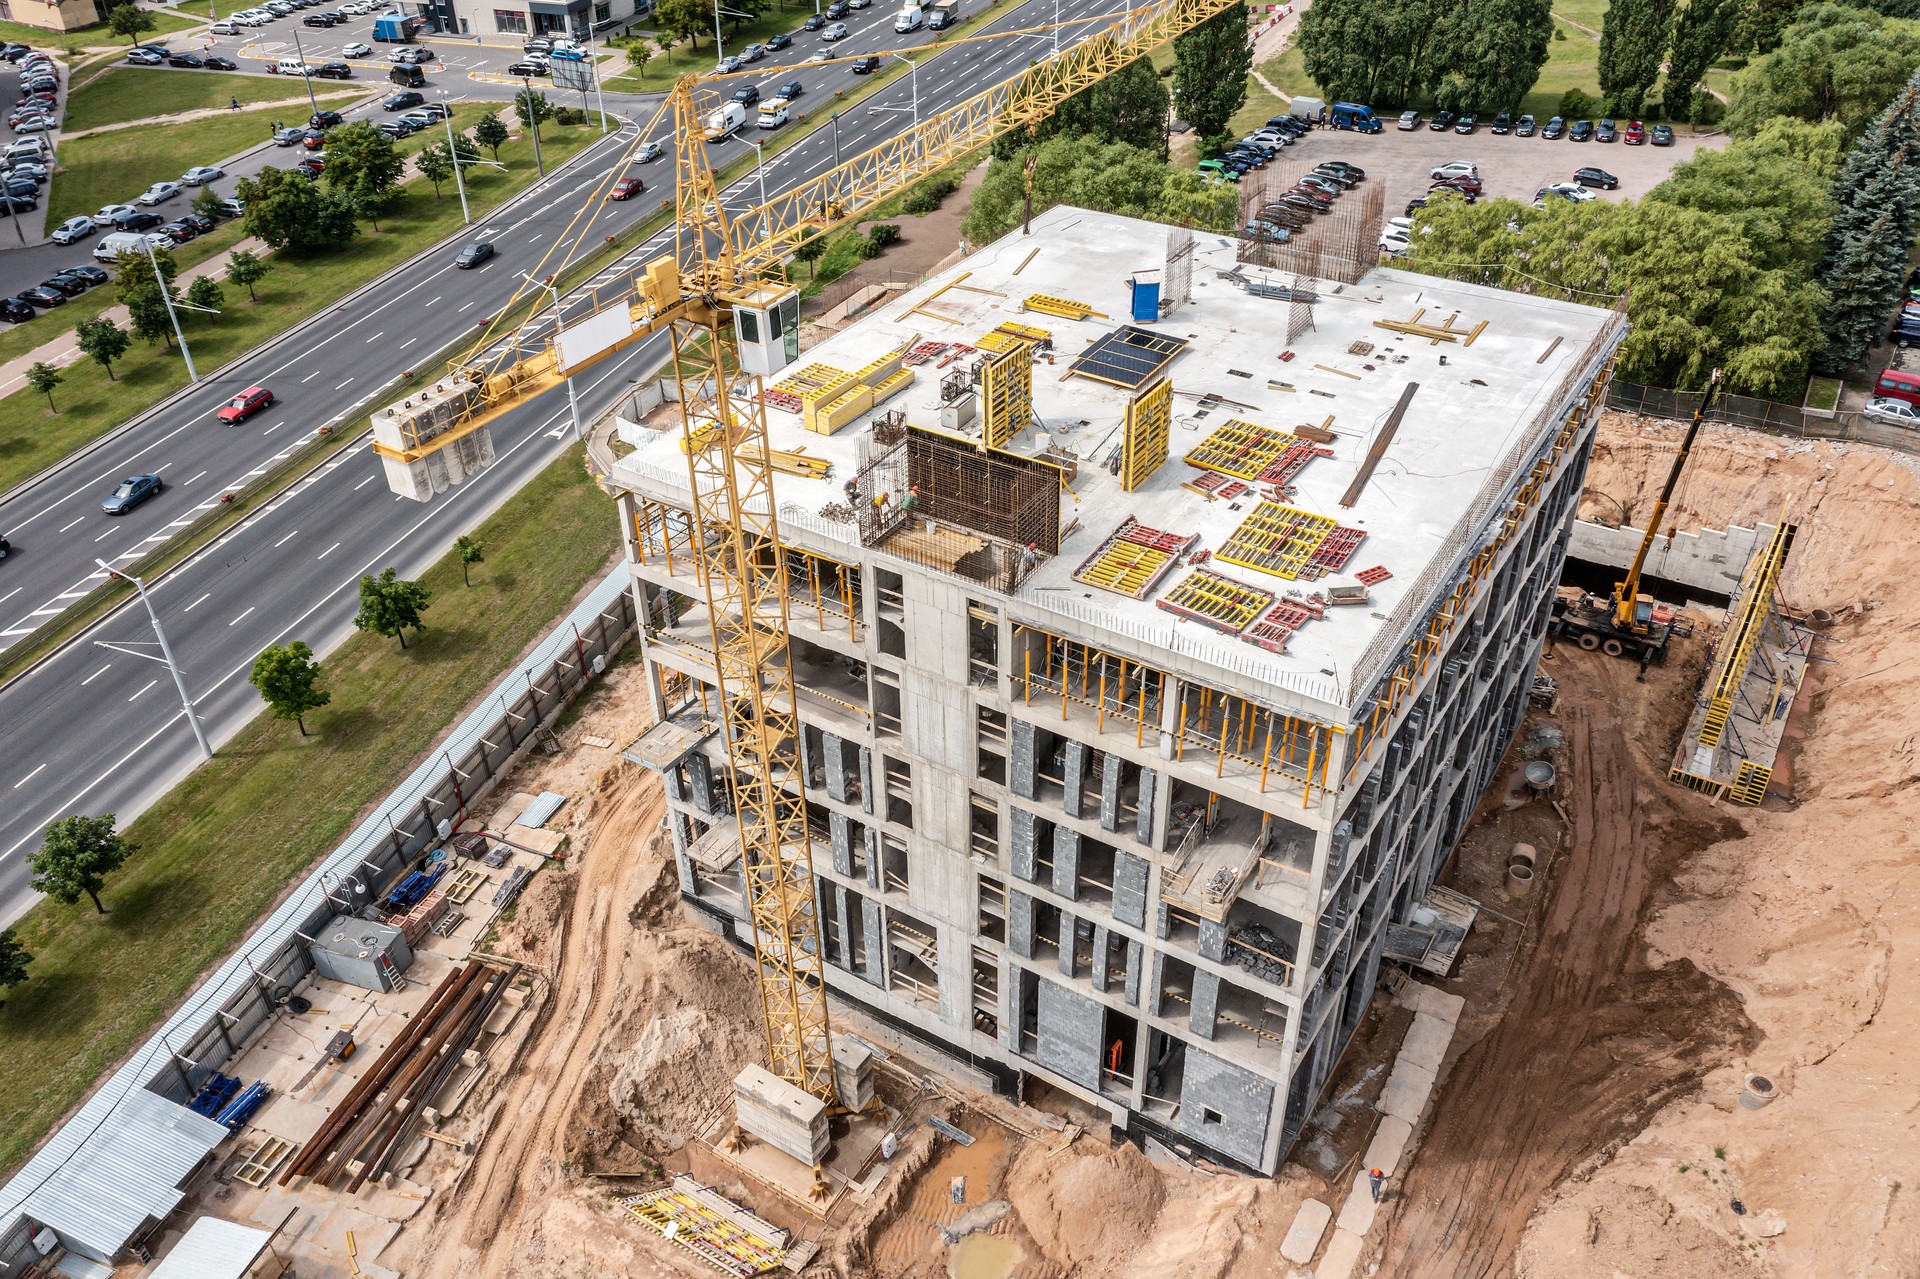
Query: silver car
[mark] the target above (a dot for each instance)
(1892, 412)
(834, 31)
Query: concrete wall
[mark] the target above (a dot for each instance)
(1707, 560)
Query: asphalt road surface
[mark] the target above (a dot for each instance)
(92, 730)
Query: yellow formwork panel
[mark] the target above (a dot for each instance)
(1705, 785)
(878, 371)
(810, 378)
(1240, 449)
(1009, 333)
(1144, 442)
(1750, 783)
(1126, 568)
(1006, 395)
(1219, 602)
(1065, 308)
(892, 384)
(1276, 539)
(849, 406)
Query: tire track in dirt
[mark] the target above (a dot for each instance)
(521, 1155)
(1593, 1041)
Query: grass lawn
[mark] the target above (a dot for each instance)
(138, 93)
(91, 404)
(219, 849)
(93, 37)
(110, 168)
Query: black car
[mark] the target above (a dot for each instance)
(318, 20)
(1523, 127)
(1605, 131)
(474, 254)
(866, 66)
(838, 10)
(746, 95)
(1467, 123)
(1353, 171)
(396, 129)
(198, 221)
(1598, 179)
(813, 23)
(131, 491)
(779, 41)
(524, 69)
(42, 296)
(179, 231)
(66, 288)
(138, 220)
(41, 84)
(18, 203)
(1328, 186)
(404, 101)
(1442, 121)
(15, 52)
(1556, 128)
(1341, 177)
(185, 60)
(334, 71)
(14, 311)
(218, 63)
(22, 185)
(1582, 131)
(1503, 123)
(93, 275)
(325, 119)
(791, 90)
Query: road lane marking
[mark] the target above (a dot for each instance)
(344, 385)
(363, 483)
(309, 377)
(65, 527)
(288, 538)
(409, 342)
(468, 307)
(96, 675)
(376, 337)
(243, 617)
(36, 772)
(194, 478)
(276, 426)
(10, 594)
(150, 684)
(330, 550)
(197, 603)
(111, 530)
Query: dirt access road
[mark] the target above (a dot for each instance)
(1593, 1041)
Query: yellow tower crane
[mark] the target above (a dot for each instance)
(724, 300)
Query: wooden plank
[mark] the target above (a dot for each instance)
(1379, 447)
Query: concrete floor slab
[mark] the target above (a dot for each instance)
(1342, 1255)
(1426, 1041)
(1388, 1144)
(1356, 1214)
(1406, 1093)
(1433, 1001)
(1303, 1237)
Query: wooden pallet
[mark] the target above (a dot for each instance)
(258, 1167)
(464, 883)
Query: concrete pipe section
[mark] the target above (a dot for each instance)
(1757, 1091)
(1520, 862)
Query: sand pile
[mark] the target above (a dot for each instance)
(1809, 917)
(1087, 1209)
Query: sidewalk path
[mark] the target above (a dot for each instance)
(1272, 39)
(202, 113)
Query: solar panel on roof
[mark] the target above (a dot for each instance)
(1128, 356)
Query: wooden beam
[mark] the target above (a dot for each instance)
(1379, 448)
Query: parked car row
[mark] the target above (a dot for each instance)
(55, 291)
(1279, 218)
(1524, 126)
(1257, 149)
(38, 108)
(274, 9)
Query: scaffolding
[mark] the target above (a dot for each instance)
(1144, 441)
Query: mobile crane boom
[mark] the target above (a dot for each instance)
(1627, 593)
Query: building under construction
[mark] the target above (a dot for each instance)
(1157, 619)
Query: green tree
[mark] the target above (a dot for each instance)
(1386, 52)
(683, 19)
(364, 167)
(134, 272)
(75, 857)
(532, 106)
(471, 551)
(208, 204)
(1112, 177)
(1864, 264)
(435, 165)
(1130, 106)
(43, 377)
(809, 251)
(390, 603)
(1700, 34)
(102, 341)
(246, 269)
(490, 131)
(1633, 36)
(129, 20)
(13, 962)
(285, 211)
(1493, 51)
(1780, 201)
(1210, 66)
(205, 292)
(1833, 63)
(145, 295)
(285, 677)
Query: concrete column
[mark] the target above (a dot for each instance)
(1066, 862)
(1075, 775)
(1206, 1003)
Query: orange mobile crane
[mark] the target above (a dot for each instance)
(732, 317)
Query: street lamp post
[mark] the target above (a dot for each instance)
(453, 153)
(573, 402)
(300, 54)
(166, 655)
(913, 83)
(533, 122)
(593, 66)
(760, 171)
(160, 282)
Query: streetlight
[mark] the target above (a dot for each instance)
(166, 654)
(836, 139)
(298, 53)
(453, 152)
(533, 122)
(913, 83)
(160, 282)
(760, 170)
(573, 402)
(593, 64)
(720, 48)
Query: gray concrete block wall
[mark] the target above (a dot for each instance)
(840, 834)
(1136, 954)
(1070, 1027)
(1240, 1099)
(844, 917)
(1022, 836)
(1130, 888)
(870, 839)
(1020, 924)
(1110, 792)
(1098, 973)
(1143, 827)
(1075, 776)
(866, 778)
(834, 749)
(1206, 1003)
(1066, 862)
(1021, 767)
(874, 963)
(700, 782)
(1213, 940)
(1065, 939)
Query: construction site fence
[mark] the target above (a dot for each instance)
(1765, 415)
(217, 1020)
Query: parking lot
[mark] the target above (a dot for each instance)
(1510, 167)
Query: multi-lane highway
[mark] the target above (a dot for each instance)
(91, 730)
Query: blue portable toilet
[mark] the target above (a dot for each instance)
(1146, 296)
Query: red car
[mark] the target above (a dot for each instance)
(245, 405)
(626, 189)
(1636, 133)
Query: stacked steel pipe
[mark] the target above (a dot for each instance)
(373, 1123)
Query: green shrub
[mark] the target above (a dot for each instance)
(926, 197)
(1575, 105)
(882, 235)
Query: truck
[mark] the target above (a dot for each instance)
(909, 18)
(727, 121)
(1354, 115)
(396, 28)
(1312, 110)
(945, 14)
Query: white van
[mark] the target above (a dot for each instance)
(909, 19)
(292, 66)
(110, 248)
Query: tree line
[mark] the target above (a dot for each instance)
(1473, 55)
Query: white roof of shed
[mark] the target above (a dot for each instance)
(213, 1249)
